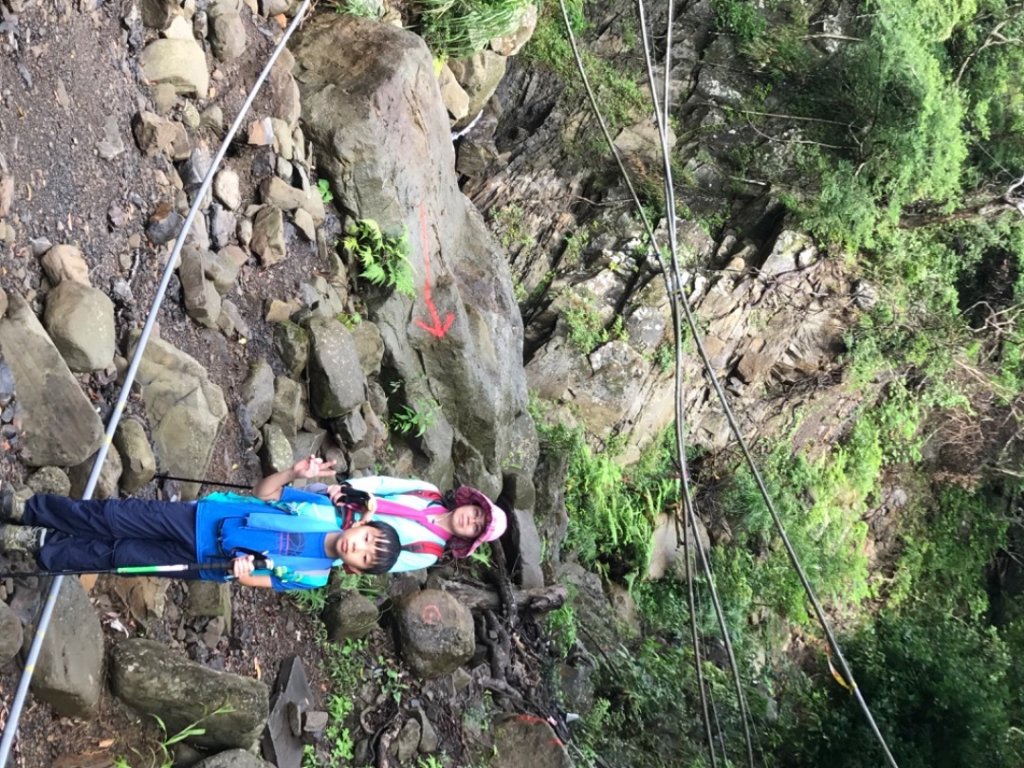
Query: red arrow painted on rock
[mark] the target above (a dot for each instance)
(438, 329)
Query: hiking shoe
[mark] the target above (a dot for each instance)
(12, 509)
(22, 538)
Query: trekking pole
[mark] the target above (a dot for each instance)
(165, 476)
(259, 563)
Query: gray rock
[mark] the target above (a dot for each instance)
(60, 426)
(157, 14)
(277, 453)
(231, 322)
(184, 409)
(209, 599)
(202, 299)
(222, 267)
(258, 392)
(408, 740)
(279, 193)
(268, 235)
(291, 342)
(222, 226)
(155, 680)
(308, 443)
(11, 634)
(69, 673)
(479, 76)
(157, 135)
(181, 63)
(288, 411)
(335, 384)
(50, 480)
(349, 617)
(80, 320)
(227, 32)
(137, 459)
(65, 262)
(369, 347)
(428, 734)
(106, 484)
(226, 188)
(283, 91)
(454, 96)
(305, 224)
(351, 428)
(435, 632)
(164, 224)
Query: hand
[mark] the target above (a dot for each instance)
(335, 494)
(242, 566)
(313, 466)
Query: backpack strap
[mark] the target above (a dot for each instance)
(421, 516)
(424, 548)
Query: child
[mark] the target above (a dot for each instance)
(427, 521)
(299, 531)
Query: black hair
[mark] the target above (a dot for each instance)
(387, 548)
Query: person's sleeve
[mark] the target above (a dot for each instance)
(294, 581)
(382, 485)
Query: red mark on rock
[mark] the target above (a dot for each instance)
(430, 614)
(437, 329)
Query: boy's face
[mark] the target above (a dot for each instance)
(357, 547)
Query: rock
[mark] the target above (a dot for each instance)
(155, 680)
(11, 634)
(481, 390)
(479, 76)
(50, 480)
(282, 741)
(110, 144)
(6, 193)
(156, 14)
(107, 482)
(227, 32)
(222, 267)
(528, 735)
(279, 193)
(137, 457)
(283, 91)
(428, 734)
(288, 411)
(291, 342)
(408, 740)
(513, 42)
(164, 224)
(231, 322)
(222, 226)
(350, 616)
(65, 262)
(277, 454)
(261, 133)
(305, 224)
(80, 320)
(69, 672)
(282, 140)
(202, 299)
(335, 383)
(268, 235)
(157, 135)
(179, 28)
(308, 443)
(208, 600)
(454, 96)
(369, 347)
(226, 188)
(322, 298)
(146, 597)
(435, 632)
(233, 758)
(281, 311)
(258, 392)
(60, 426)
(667, 549)
(181, 63)
(184, 408)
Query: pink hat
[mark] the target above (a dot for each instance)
(496, 523)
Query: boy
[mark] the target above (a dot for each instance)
(300, 532)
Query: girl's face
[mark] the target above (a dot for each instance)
(357, 547)
(468, 521)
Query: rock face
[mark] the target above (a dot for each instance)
(436, 633)
(153, 679)
(458, 344)
(526, 735)
(61, 427)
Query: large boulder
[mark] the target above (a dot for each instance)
(185, 410)
(61, 427)
(386, 148)
(336, 381)
(528, 735)
(69, 672)
(436, 633)
(155, 680)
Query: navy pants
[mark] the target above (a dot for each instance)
(98, 535)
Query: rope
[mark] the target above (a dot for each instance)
(11, 727)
